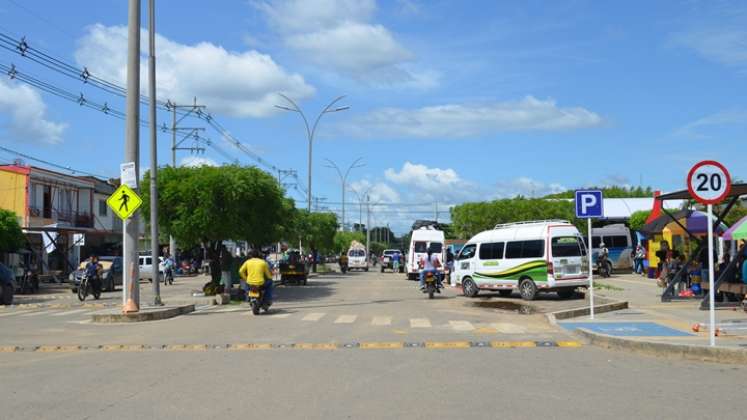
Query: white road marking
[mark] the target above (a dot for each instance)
(37, 313)
(420, 323)
(346, 319)
(506, 328)
(314, 316)
(381, 320)
(74, 311)
(276, 315)
(224, 310)
(14, 313)
(461, 325)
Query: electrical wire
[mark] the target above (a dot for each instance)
(52, 164)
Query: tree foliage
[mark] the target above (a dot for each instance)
(11, 236)
(611, 192)
(469, 219)
(209, 204)
(342, 240)
(735, 214)
(315, 230)
(638, 219)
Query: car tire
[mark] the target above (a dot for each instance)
(527, 289)
(6, 294)
(469, 288)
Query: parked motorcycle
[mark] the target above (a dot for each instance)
(257, 299)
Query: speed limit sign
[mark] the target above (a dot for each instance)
(708, 182)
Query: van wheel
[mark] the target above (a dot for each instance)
(469, 288)
(527, 289)
(505, 293)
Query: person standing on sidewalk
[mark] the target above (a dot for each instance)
(638, 257)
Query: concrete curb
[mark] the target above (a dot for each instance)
(670, 350)
(553, 317)
(147, 315)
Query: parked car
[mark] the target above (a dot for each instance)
(387, 263)
(111, 275)
(146, 267)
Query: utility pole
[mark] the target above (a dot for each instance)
(190, 132)
(368, 227)
(131, 274)
(154, 248)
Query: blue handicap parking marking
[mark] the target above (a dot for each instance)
(627, 329)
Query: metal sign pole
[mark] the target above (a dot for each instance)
(591, 272)
(711, 291)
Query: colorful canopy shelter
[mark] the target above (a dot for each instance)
(737, 231)
(737, 190)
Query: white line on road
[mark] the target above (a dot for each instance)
(346, 319)
(275, 315)
(220, 311)
(14, 313)
(74, 311)
(461, 325)
(314, 316)
(420, 323)
(381, 320)
(37, 313)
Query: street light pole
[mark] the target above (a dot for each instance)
(154, 248)
(310, 131)
(343, 178)
(360, 203)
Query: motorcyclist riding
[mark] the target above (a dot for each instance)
(93, 271)
(256, 272)
(429, 264)
(602, 257)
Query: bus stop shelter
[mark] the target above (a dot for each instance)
(737, 191)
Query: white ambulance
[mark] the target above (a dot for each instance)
(420, 241)
(532, 256)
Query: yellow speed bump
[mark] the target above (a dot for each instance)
(511, 344)
(250, 346)
(447, 345)
(316, 346)
(123, 347)
(187, 347)
(382, 345)
(8, 349)
(568, 344)
(50, 349)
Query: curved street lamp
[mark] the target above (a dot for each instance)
(344, 178)
(310, 131)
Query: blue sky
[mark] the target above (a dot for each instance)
(449, 101)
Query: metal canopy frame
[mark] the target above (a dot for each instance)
(737, 190)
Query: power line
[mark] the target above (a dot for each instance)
(48, 163)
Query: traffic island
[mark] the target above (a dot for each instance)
(154, 313)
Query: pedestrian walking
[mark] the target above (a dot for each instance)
(638, 256)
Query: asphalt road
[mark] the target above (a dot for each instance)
(321, 378)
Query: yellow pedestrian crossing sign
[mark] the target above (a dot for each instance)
(124, 202)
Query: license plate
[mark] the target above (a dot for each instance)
(429, 279)
(253, 294)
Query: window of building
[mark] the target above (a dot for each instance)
(103, 208)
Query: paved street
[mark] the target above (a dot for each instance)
(294, 363)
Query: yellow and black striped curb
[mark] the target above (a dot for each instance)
(364, 345)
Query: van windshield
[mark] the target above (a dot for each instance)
(566, 246)
(357, 253)
(420, 246)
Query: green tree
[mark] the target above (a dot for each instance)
(638, 219)
(735, 214)
(342, 240)
(11, 236)
(206, 205)
(315, 230)
(610, 192)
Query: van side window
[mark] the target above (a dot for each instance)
(491, 251)
(468, 251)
(618, 241)
(596, 240)
(525, 249)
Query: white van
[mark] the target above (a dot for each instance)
(618, 241)
(357, 258)
(420, 241)
(533, 256)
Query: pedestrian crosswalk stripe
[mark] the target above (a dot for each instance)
(420, 323)
(314, 316)
(346, 319)
(381, 320)
(461, 325)
(279, 315)
(220, 311)
(506, 328)
(74, 311)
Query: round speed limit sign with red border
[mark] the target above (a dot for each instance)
(708, 182)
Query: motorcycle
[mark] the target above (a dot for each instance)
(344, 266)
(257, 299)
(87, 287)
(29, 283)
(432, 285)
(603, 266)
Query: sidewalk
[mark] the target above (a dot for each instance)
(665, 329)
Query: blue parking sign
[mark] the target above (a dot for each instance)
(589, 204)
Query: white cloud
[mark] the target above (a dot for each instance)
(27, 119)
(240, 84)
(459, 120)
(722, 45)
(526, 187)
(720, 119)
(195, 161)
(379, 192)
(337, 35)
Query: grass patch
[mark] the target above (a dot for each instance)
(605, 286)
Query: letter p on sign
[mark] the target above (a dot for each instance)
(589, 204)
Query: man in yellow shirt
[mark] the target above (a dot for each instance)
(256, 272)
